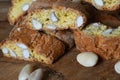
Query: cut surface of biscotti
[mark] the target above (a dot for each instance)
(59, 17)
(32, 46)
(99, 38)
(18, 9)
(102, 30)
(109, 5)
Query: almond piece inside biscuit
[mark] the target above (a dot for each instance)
(26, 53)
(79, 21)
(25, 7)
(5, 50)
(21, 45)
(107, 32)
(52, 27)
(53, 17)
(99, 2)
(19, 29)
(12, 53)
(36, 24)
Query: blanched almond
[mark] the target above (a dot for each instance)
(87, 59)
(5, 50)
(26, 53)
(53, 17)
(80, 21)
(23, 46)
(25, 7)
(99, 2)
(25, 72)
(36, 24)
(117, 67)
(36, 75)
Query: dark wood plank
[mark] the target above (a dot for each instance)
(4, 8)
(5, 28)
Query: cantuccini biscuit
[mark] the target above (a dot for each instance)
(60, 16)
(31, 45)
(18, 9)
(109, 5)
(99, 38)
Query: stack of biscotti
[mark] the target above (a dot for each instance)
(42, 29)
(102, 36)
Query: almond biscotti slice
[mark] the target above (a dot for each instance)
(62, 15)
(32, 46)
(99, 38)
(109, 5)
(18, 9)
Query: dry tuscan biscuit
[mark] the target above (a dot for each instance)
(62, 15)
(66, 36)
(109, 5)
(18, 9)
(32, 46)
(99, 38)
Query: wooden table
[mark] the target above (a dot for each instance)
(65, 68)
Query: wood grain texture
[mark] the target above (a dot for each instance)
(4, 8)
(5, 28)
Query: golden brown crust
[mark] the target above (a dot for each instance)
(39, 43)
(48, 46)
(106, 47)
(69, 4)
(41, 4)
(26, 35)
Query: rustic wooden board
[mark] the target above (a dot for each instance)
(66, 65)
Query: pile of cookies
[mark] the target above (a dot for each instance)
(45, 29)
